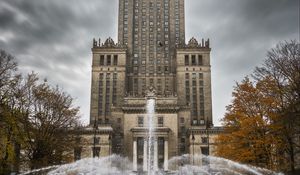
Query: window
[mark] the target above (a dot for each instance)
(182, 128)
(194, 83)
(160, 121)
(187, 76)
(108, 60)
(182, 140)
(96, 140)
(158, 69)
(115, 60)
(201, 83)
(201, 91)
(201, 75)
(205, 150)
(193, 60)
(115, 75)
(194, 75)
(202, 122)
(96, 151)
(182, 149)
(166, 69)
(151, 81)
(200, 61)
(101, 60)
(195, 121)
(204, 139)
(140, 121)
(186, 60)
(181, 120)
(101, 76)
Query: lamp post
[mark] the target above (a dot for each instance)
(193, 139)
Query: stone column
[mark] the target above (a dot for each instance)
(134, 159)
(145, 158)
(155, 155)
(166, 155)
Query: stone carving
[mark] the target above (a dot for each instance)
(151, 92)
(109, 42)
(193, 42)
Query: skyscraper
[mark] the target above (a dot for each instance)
(151, 30)
(151, 53)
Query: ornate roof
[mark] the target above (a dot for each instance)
(109, 42)
(193, 42)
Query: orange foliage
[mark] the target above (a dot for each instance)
(250, 124)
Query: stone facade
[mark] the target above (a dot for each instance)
(150, 52)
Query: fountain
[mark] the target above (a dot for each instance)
(117, 165)
(180, 165)
(150, 109)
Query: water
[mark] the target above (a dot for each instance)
(180, 165)
(116, 165)
(151, 164)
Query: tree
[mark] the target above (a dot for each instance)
(49, 117)
(249, 122)
(262, 123)
(283, 65)
(9, 141)
(35, 118)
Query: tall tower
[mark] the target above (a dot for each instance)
(151, 52)
(151, 29)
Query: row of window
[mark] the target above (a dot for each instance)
(106, 110)
(150, 69)
(194, 76)
(193, 61)
(108, 60)
(158, 85)
(160, 121)
(197, 107)
(151, 62)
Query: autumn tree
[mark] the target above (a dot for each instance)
(34, 117)
(248, 125)
(283, 66)
(262, 123)
(48, 122)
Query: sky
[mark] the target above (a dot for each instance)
(54, 38)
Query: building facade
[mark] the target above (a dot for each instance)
(151, 53)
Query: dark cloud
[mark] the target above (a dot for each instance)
(241, 32)
(54, 38)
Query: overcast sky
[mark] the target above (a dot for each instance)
(54, 38)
